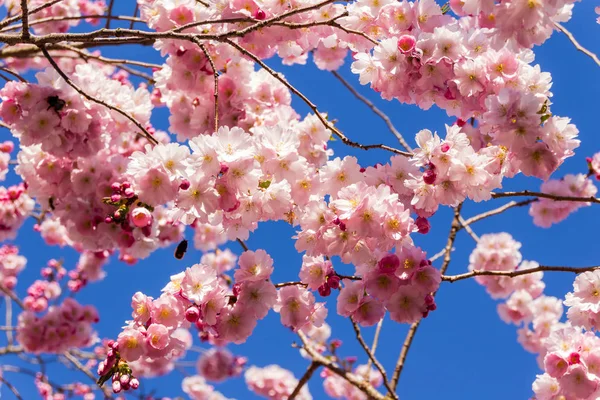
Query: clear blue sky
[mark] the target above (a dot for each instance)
(462, 350)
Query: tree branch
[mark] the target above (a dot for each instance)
(523, 193)
(376, 110)
(304, 379)
(216, 85)
(576, 43)
(497, 211)
(145, 133)
(413, 328)
(512, 274)
(373, 359)
(11, 388)
(25, 20)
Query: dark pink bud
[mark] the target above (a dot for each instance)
(429, 176)
(115, 197)
(425, 314)
(336, 221)
(333, 282)
(126, 185)
(180, 52)
(460, 122)
(336, 343)
(406, 44)
(192, 314)
(429, 299)
(236, 289)
(362, 169)
(574, 358)
(184, 185)
(129, 193)
(224, 168)
(351, 359)
(445, 147)
(432, 307)
(389, 264)
(342, 226)
(115, 186)
(423, 225)
(260, 14)
(108, 220)
(324, 290)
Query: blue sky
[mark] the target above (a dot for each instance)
(462, 350)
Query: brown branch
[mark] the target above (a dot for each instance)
(467, 228)
(70, 18)
(16, 18)
(304, 379)
(294, 283)
(413, 328)
(576, 43)
(360, 384)
(512, 274)
(12, 296)
(11, 388)
(241, 242)
(78, 365)
(216, 85)
(109, 13)
(13, 73)
(523, 193)
(135, 11)
(11, 350)
(25, 20)
(376, 110)
(373, 359)
(355, 32)
(146, 134)
(311, 105)
(497, 211)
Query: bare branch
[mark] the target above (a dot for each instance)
(25, 20)
(135, 11)
(78, 365)
(576, 43)
(146, 134)
(74, 17)
(373, 359)
(11, 388)
(294, 283)
(9, 331)
(512, 274)
(109, 13)
(12, 296)
(375, 341)
(216, 86)
(523, 193)
(304, 379)
(376, 110)
(467, 228)
(241, 242)
(11, 350)
(496, 211)
(13, 73)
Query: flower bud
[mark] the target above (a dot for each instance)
(140, 217)
(192, 314)
(184, 185)
(333, 281)
(406, 44)
(423, 225)
(429, 176)
(324, 290)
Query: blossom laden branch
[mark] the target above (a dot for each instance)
(68, 80)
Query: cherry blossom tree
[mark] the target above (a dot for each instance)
(98, 177)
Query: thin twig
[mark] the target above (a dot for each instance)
(241, 242)
(556, 197)
(77, 364)
(304, 379)
(16, 18)
(11, 388)
(455, 226)
(145, 133)
(294, 283)
(13, 73)
(376, 110)
(13, 296)
(311, 105)
(576, 43)
(216, 85)
(9, 332)
(71, 18)
(467, 228)
(373, 359)
(497, 211)
(135, 11)
(512, 274)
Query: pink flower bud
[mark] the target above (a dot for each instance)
(134, 383)
(429, 176)
(116, 386)
(324, 290)
(333, 281)
(574, 358)
(260, 14)
(192, 314)
(7, 147)
(115, 186)
(423, 225)
(389, 264)
(406, 44)
(445, 147)
(184, 185)
(140, 217)
(115, 198)
(10, 282)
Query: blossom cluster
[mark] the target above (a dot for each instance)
(546, 212)
(5, 149)
(15, 207)
(197, 389)
(63, 327)
(11, 264)
(274, 383)
(41, 292)
(218, 364)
